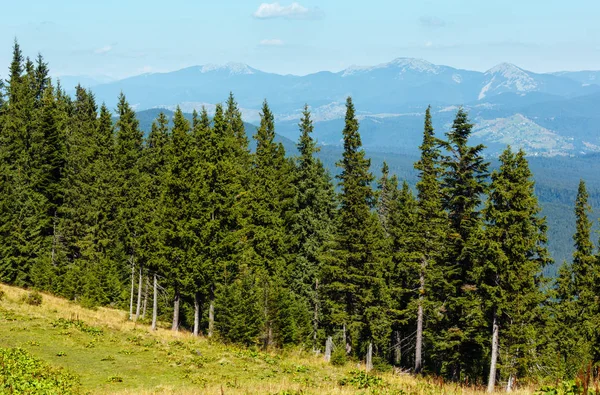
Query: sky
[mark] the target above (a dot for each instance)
(120, 38)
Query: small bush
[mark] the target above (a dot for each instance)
(115, 379)
(21, 373)
(361, 380)
(2, 295)
(67, 324)
(34, 298)
(339, 357)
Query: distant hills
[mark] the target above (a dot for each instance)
(547, 114)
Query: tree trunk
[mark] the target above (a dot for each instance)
(492, 378)
(211, 314)
(155, 303)
(510, 383)
(196, 313)
(328, 347)
(54, 240)
(316, 316)
(369, 364)
(419, 345)
(139, 295)
(132, 288)
(145, 304)
(397, 348)
(175, 326)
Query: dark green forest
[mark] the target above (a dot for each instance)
(195, 224)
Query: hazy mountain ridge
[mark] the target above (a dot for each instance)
(557, 112)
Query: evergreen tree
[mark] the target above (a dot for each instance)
(312, 221)
(357, 298)
(511, 255)
(463, 185)
(177, 203)
(430, 231)
(128, 151)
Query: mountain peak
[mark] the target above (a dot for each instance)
(507, 77)
(232, 67)
(506, 69)
(403, 64)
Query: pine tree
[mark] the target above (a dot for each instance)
(576, 309)
(463, 185)
(311, 223)
(431, 228)
(511, 255)
(354, 283)
(177, 203)
(154, 173)
(128, 151)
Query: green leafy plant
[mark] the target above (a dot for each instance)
(339, 357)
(361, 380)
(21, 373)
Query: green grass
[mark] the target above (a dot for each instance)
(109, 354)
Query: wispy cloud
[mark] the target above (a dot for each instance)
(272, 42)
(431, 21)
(103, 50)
(292, 11)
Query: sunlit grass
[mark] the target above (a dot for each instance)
(130, 359)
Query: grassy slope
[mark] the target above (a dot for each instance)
(166, 362)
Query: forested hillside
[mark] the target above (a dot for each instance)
(258, 248)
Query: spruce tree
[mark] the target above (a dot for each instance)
(430, 232)
(354, 283)
(177, 203)
(311, 222)
(463, 185)
(128, 151)
(511, 254)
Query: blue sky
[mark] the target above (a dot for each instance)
(127, 37)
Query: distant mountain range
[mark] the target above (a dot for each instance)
(547, 114)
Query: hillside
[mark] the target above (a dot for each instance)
(109, 354)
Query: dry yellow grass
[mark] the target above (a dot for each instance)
(177, 363)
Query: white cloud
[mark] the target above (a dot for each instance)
(292, 11)
(428, 44)
(273, 42)
(103, 50)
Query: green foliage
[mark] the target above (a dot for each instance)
(20, 373)
(63, 323)
(361, 380)
(339, 356)
(33, 298)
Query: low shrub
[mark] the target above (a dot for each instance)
(22, 373)
(361, 380)
(34, 298)
(339, 357)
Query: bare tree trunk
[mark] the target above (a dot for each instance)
(369, 364)
(175, 326)
(211, 313)
(328, 347)
(54, 240)
(492, 378)
(196, 313)
(316, 315)
(132, 287)
(419, 345)
(397, 348)
(139, 295)
(155, 303)
(510, 383)
(145, 304)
